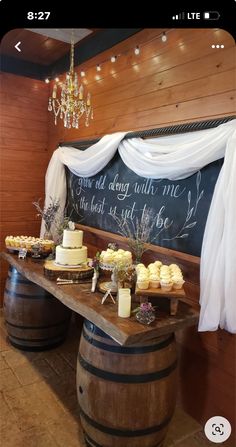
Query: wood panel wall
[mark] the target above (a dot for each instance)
(180, 80)
(24, 155)
(171, 82)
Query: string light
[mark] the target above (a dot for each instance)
(164, 37)
(113, 58)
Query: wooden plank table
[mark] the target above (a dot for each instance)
(124, 365)
(78, 297)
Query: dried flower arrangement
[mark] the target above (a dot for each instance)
(137, 232)
(48, 213)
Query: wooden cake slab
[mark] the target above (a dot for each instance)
(53, 271)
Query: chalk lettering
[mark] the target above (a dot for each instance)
(100, 183)
(113, 210)
(83, 204)
(172, 190)
(128, 213)
(97, 207)
(117, 186)
(146, 188)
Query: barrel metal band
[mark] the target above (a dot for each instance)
(126, 378)
(125, 433)
(21, 281)
(36, 340)
(66, 321)
(91, 443)
(128, 349)
(29, 297)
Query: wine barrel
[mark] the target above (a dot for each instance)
(126, 394)
(35, 319)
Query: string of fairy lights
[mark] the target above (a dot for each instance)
(113, 59)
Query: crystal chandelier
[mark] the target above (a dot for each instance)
(70, 105)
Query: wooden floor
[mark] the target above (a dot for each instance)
(38, 403)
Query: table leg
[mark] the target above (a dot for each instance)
(173, 306)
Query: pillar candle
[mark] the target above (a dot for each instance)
(124, 303)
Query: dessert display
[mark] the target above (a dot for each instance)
(159, 276)
(110, 258)
(18, 242)
(116, 260)
(72, 252)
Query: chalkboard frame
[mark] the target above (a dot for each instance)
(170, 130)
(158, 131)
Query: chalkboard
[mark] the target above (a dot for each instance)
(179, 208)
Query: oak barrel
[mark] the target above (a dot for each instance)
(126, 394)
(35, 319)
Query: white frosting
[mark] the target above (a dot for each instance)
(71, 256)
(72, 239)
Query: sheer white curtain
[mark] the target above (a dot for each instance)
(176, 157)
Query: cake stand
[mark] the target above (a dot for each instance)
(109, 285)
(113, 284)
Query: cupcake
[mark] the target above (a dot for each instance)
(108, 258)
(152, 266)
(166, 284)
(154, 280)
(7, 240)
(178, 282)
(140, 265)
(158, 264)
(143, 281)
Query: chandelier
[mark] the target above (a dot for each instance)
(70, 104)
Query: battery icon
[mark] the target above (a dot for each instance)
(211, 15)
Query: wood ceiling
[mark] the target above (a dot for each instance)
(35, 47)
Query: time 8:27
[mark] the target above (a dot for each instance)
(41, 15)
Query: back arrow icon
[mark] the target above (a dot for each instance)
(17, 46)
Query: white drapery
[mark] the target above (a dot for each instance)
(176, 157)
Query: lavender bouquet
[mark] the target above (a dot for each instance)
(47, 213)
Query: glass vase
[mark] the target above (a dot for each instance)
(48, 235)
(145, 317)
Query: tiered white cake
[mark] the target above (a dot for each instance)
(72, 251)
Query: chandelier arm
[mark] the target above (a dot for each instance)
(71, 104)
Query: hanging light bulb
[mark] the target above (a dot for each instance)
(47, 81)
(98, 67)
(164, 37)
(137, 50)
(113, 59)
(82, 74)
(57, 79)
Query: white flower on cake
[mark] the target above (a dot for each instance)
(71, 225)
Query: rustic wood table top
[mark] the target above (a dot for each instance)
(79, 298)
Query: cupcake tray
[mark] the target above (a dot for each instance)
(178, 293)
(174, 296)
(42, 254)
